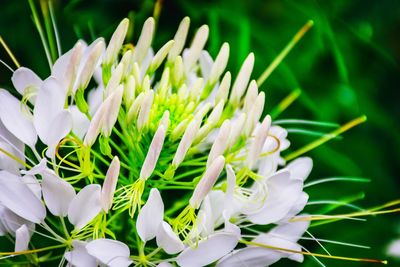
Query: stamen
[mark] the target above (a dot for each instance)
(10, 54)
(130, 197)
(285, 103)
(284, 52)
(20, 161)
(313, 254)
(185, 222)
(25, 252)
(325, 138)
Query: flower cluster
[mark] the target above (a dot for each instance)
(123, 156)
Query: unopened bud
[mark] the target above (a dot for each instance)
(223, 89)
(207, 182)
(179, 39)
(251, 96)
(111, 115)
(110, 184)
(115, 80)
(160, 56)
(186, 142)
(220, 143)
(135, 107)
(145, 109)
(254, 114)
(144, 42)
(197, 46)
(129, 91)
(91, 63)
(242, 80)
(117, 39)
(237, 129)
(258, 142)
(153, 153)
(219, 64)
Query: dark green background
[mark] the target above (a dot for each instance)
(346, 65)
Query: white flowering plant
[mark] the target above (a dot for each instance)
(125, 156)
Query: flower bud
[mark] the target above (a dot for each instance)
(197, 46)
(177, 75)
(116, 42)
(111, 115)
(145, 109)
(207, 182)
(219, 64)
(236, 130)
(135, 107)
(179, 39)
(90, 64)
(129, 91)
(144, 42)
(212, 121)
(251, 96)
(110, 184)
(153, 153)
(160, 56)
(223, 89)
(242, 80)
(186, 142)
(220, 143)
(254, 114)
(258, 142)
(115, 80)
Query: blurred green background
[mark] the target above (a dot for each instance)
(346, 65)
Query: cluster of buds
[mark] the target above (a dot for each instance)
(166, 146)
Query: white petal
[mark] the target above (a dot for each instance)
(208, 250)
(60, 127)
(250, 256)
(168, 240)
(50, 102)
(24, 78)
(27, 205)
(165, 264)
(109, 185)
(33, 185)
(108, 251)
(37, 169)
(85, 206)
(150, 216)
(57, 193)
(301, 202)
(290, 231)
(10, 222)
(394, 248)
(300, 168)
(14, 119)
(22, 237)
(281, 197)
(79, 257)
(267, 239)
(80, 122)
(6, 162)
